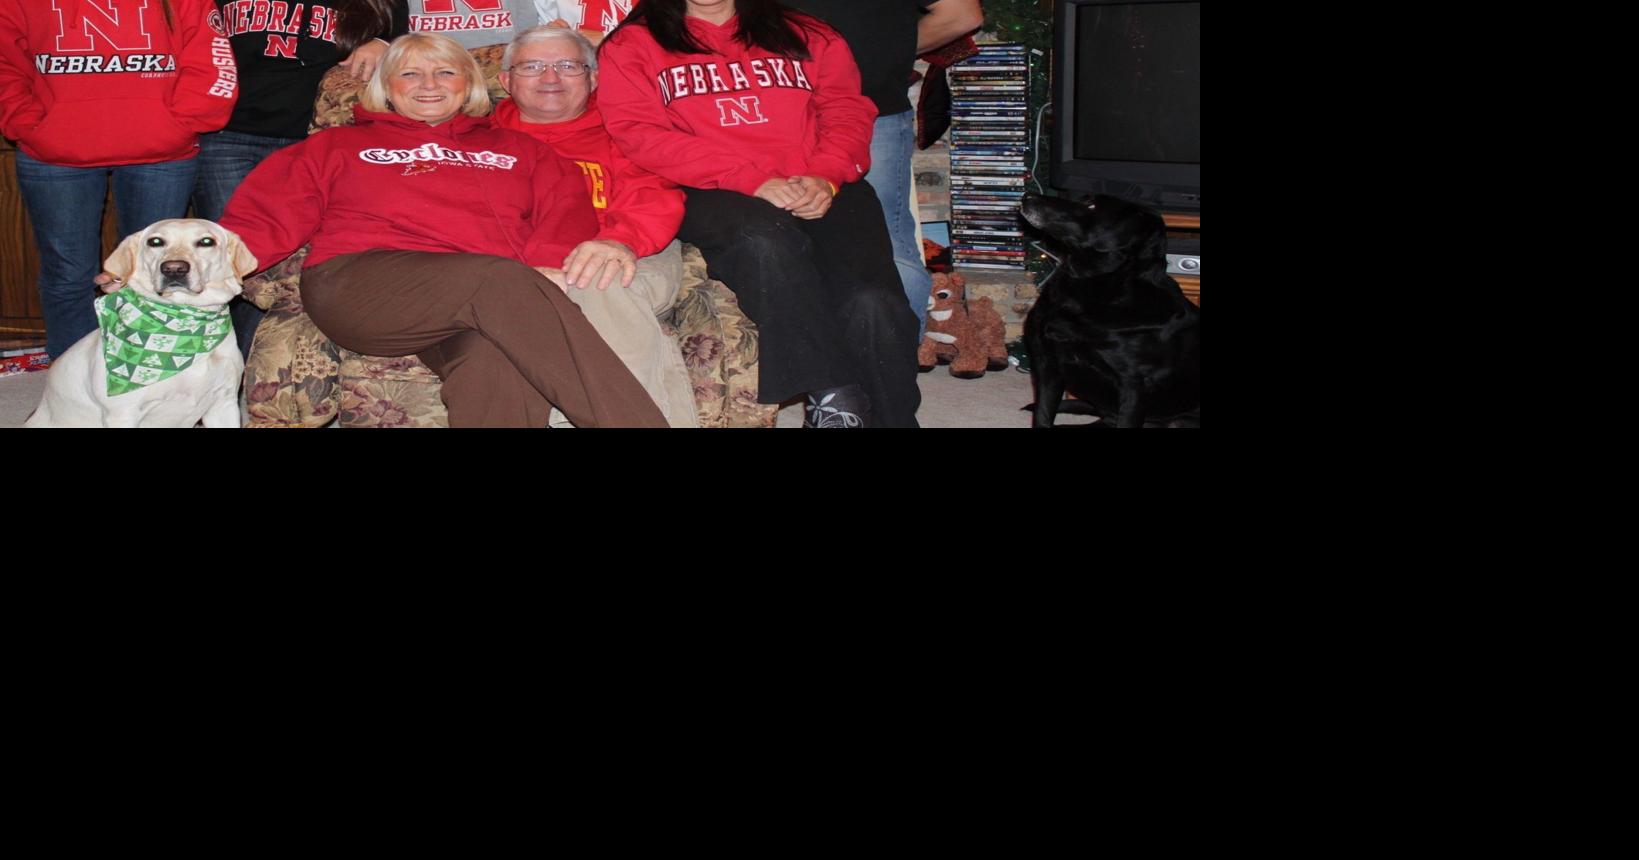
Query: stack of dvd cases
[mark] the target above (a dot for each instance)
(989, 138)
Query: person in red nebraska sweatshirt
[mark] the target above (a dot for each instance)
(756, 110)
(431, 232)
(90, 88)
(628, 275)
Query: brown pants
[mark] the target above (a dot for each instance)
(506, 341)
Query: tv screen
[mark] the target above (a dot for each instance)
(1127, 100)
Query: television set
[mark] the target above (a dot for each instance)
(1126, 90)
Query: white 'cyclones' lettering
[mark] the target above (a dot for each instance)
(434, 152)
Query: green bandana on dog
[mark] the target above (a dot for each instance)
(145, 341)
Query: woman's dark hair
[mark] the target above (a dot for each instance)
(764, 24)
(359, 21)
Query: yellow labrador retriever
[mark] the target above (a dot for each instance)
(164, 354)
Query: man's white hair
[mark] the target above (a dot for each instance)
(544, 33)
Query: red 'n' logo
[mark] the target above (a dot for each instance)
(602, 14)
(119, 23)
(440, 7)
(280, 46)
(746, 109)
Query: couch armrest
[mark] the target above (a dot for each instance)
(720, 347)
(281, 281)
(291, 377)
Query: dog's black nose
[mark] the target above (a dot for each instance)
(174, 268)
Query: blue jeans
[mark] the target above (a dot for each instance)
(65, 206)
(225, 159)
(892, 145)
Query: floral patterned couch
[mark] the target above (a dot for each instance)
(297, 377)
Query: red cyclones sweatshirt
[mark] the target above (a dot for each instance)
(737, 117)
(635, 207)
(390, 182)
(90, 83)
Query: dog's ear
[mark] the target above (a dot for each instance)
(123, 262)
(244, 262)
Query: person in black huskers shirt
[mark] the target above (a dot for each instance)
(283, 50)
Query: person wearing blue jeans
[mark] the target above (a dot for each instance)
(892, 145)
(886, 37)
(82, 107)
(65, 206)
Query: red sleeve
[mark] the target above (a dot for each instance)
(207, 82)
(636, 118)
(847, 119)
(645, 210)
(277, 209)
(563, 214)
(20, 109)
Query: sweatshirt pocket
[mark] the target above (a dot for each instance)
(109, 131)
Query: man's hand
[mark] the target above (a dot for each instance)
(107, 282)
(556, 276)
(600, 255)
(779, 192)
(365, 59)
(815, 198)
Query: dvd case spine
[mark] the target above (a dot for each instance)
(989, 145)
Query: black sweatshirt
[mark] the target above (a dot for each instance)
(283, 50)
(882, 35)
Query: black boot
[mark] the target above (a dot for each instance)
(848, 406)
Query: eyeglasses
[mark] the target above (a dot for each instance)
(533, 68)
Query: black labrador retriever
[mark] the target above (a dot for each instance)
(1111, 327)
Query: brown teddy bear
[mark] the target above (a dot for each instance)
(969, 336)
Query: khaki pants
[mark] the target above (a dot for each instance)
(627, 319)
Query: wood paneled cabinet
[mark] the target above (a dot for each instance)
(20, 259)
(1186, 224)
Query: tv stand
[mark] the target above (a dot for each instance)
(1186, 224)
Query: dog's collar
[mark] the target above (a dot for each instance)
(145, 341)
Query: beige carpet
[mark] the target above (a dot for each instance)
(993, 400)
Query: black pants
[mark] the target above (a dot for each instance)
(825, 294)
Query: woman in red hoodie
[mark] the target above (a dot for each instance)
(93, 87)
(431, 232)
(756, 111)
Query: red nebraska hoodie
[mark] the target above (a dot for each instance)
(90, 83)
(737, 117)
(391, 182)
(635, 207)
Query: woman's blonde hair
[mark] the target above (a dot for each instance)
(439, 49)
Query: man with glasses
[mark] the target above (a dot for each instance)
(628, 275)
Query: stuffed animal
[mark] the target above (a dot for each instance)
(969, 336)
